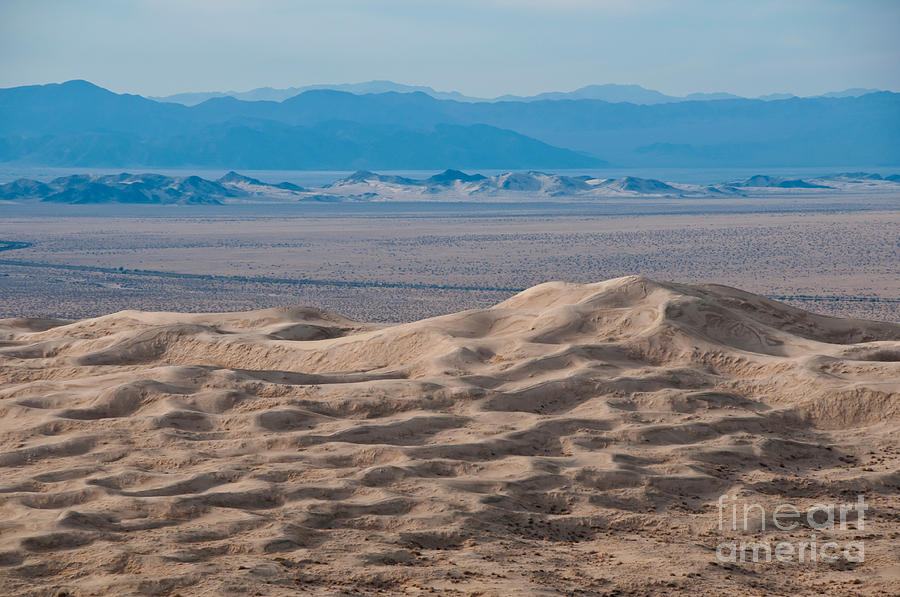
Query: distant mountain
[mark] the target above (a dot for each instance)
(78, 106)
(612, 93)
(361, 185)
(641, 185)
(79, 124)
(609, 92)
(192, 98)
(367, 177)
(271, 94)
(531, 185)
(779, 182)
(233, 177)
(632, 94)
(449, 185)
(534, 185)
(772, 97)
(149, 189)
(854, 92)
(449, 177)
(332, 145)
(706, 97)
(120, 188)
(255, 185)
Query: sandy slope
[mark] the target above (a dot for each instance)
(573, 439)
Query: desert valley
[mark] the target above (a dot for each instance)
(411, 298)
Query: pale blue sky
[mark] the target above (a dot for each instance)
(478, 47)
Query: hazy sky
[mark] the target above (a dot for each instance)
(478, 47)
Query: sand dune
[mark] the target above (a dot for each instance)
(572, 439)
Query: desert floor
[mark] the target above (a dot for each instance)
(831, 261)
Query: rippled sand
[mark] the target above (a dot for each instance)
(573, 439)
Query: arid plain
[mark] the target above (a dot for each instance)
(834, 262)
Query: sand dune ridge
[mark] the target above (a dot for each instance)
(151, 453)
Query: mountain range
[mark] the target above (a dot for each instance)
(272, 94)
(609, 92)
(79, 124)
(449, 185)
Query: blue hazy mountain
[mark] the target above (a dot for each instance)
(706, 97)
(609, 92)
(852, 92)
(77, 123)
(271, 94)
(328, 146)
(769, 97)
(613, 93)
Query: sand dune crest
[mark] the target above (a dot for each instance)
(569, 438)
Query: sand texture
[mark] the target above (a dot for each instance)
(573, 439)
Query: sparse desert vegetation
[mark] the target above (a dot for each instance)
(838, 263)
